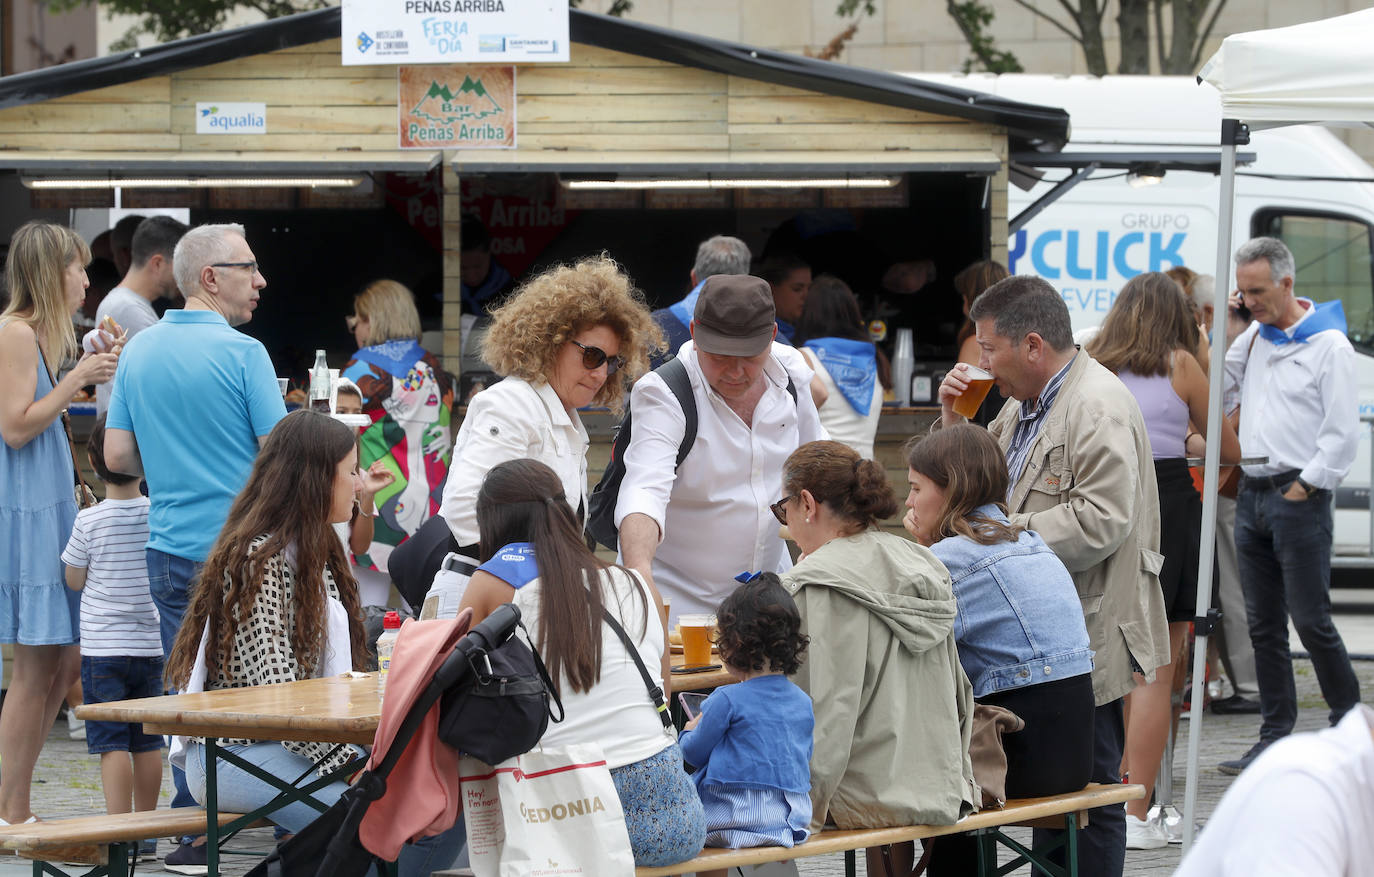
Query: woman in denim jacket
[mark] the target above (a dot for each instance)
(1019, 628)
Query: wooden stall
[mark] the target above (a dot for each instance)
(635, 100)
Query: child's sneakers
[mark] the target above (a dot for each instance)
(76, 728)
(147, 850)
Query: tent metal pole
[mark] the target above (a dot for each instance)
(1233, 134)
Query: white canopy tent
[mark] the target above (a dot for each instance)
(1320, 72)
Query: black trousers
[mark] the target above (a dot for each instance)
(1102, 845)
(1052, 755)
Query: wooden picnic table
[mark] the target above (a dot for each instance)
(702, 680)
(334, 709)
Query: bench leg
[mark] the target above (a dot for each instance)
(850, 868)
(989, 838)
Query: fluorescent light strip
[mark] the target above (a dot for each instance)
(192, 183)
(774, 183)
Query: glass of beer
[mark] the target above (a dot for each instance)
(979, 382)
(696, 639)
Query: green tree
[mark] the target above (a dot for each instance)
(973, 18)
(1178, 51)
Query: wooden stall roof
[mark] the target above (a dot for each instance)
(679, 101)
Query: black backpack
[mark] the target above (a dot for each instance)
(601, 505)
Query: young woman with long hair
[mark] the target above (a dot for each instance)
(1148, 339)
(1020, 629)
(277, 602)
(46, 276)
(533, 555)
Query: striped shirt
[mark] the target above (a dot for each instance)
(118, 617)
(1032, 417)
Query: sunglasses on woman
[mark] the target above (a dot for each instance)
(779, 509)
(593, 357)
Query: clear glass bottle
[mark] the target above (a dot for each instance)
(319, 383)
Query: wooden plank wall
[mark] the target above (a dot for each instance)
(603, 102)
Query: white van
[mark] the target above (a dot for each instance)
(1110, 227)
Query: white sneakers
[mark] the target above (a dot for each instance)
(76, 728)
(1145, 834)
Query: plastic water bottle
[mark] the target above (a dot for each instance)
(319, 383)
(386, 644)
(903, 365)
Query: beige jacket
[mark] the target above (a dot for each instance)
(894, 710)
(1089, 490)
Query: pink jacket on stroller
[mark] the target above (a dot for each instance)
(423, 796)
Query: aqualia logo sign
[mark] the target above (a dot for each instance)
(231, 118)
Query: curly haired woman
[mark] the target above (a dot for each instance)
(572, 337)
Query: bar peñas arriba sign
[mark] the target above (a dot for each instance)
(461, 106)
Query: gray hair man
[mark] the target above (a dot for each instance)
(692, 528)
(720, 254)
(192, 401)
(130, 304)
(1295, 371)
(1082, 476)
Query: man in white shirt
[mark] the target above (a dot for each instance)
(148, 279)
(695, 528)
(1307, 807)
(1296, 372)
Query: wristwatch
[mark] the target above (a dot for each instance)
(1307, 488)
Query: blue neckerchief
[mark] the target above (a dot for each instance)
(395, 357)
(686, 309)
(1327, 315)
(853, 366)
(785, 331)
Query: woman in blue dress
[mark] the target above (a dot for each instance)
(46, 276)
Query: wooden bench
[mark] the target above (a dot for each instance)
(1058, 811)
(104, 841)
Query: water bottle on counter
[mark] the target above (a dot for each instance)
(903, 363)
(386, 644)
(319, 383)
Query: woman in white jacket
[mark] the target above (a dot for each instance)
(573, 337)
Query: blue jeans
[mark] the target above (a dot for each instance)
(240, 791)
(1284, 552)
(169, 582)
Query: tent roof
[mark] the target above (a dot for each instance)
(1322, 71)
(1028, 126)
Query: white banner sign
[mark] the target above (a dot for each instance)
(454, 31)
(214, 117)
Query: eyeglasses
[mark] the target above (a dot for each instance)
(251, 266)
(593, 357)
(351, 321)
(779, 509)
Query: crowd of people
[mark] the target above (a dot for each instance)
(1051, 570)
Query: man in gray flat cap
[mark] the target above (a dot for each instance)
(694, 527)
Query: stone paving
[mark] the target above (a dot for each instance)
(68, 782)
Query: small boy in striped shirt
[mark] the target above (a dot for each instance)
(121, 650)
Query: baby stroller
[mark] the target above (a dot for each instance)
(491, 679)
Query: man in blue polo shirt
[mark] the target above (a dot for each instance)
(192, 401)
